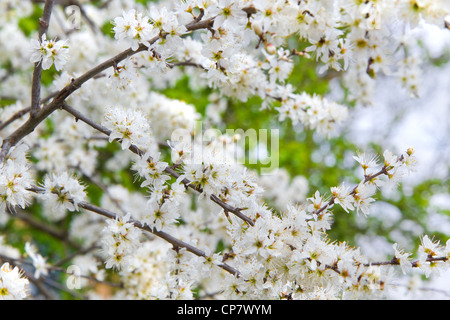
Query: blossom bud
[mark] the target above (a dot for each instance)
(271, 49)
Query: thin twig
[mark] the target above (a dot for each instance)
(19, 114)
(24, 111)
(414, 264)
(366, 179)
(57, 234)
(104, 188)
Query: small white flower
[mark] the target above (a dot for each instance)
(366, 161)
(39, 262)
(150, 168)
(362, 198)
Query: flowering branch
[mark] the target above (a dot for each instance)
(19, 114)
(40, 280)
(227, 208)
(41, 114)
(163, 235)
(14, 117)
(353, 192)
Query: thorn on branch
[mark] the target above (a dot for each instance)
(43, 23)
(200, 16)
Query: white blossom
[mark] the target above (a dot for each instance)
(49, 52)
(186, 219)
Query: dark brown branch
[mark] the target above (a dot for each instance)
(414, 264)
(55, 233)
(14, 117)
(104, 188)
(185, 63)
(37, 73)
(77, 253)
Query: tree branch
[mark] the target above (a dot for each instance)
(414, 264)
(161, 234)
(19, 114)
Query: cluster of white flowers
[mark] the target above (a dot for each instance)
(13, 286)
(173, 114)
(212, 170)
(289, 255)
(151, 169)
(134, 27)
(162, 208)
(360, 197)
(286, 191)
(430, 253)
(314, 112)
(130, 126)
(49, 52)
(430, 250)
